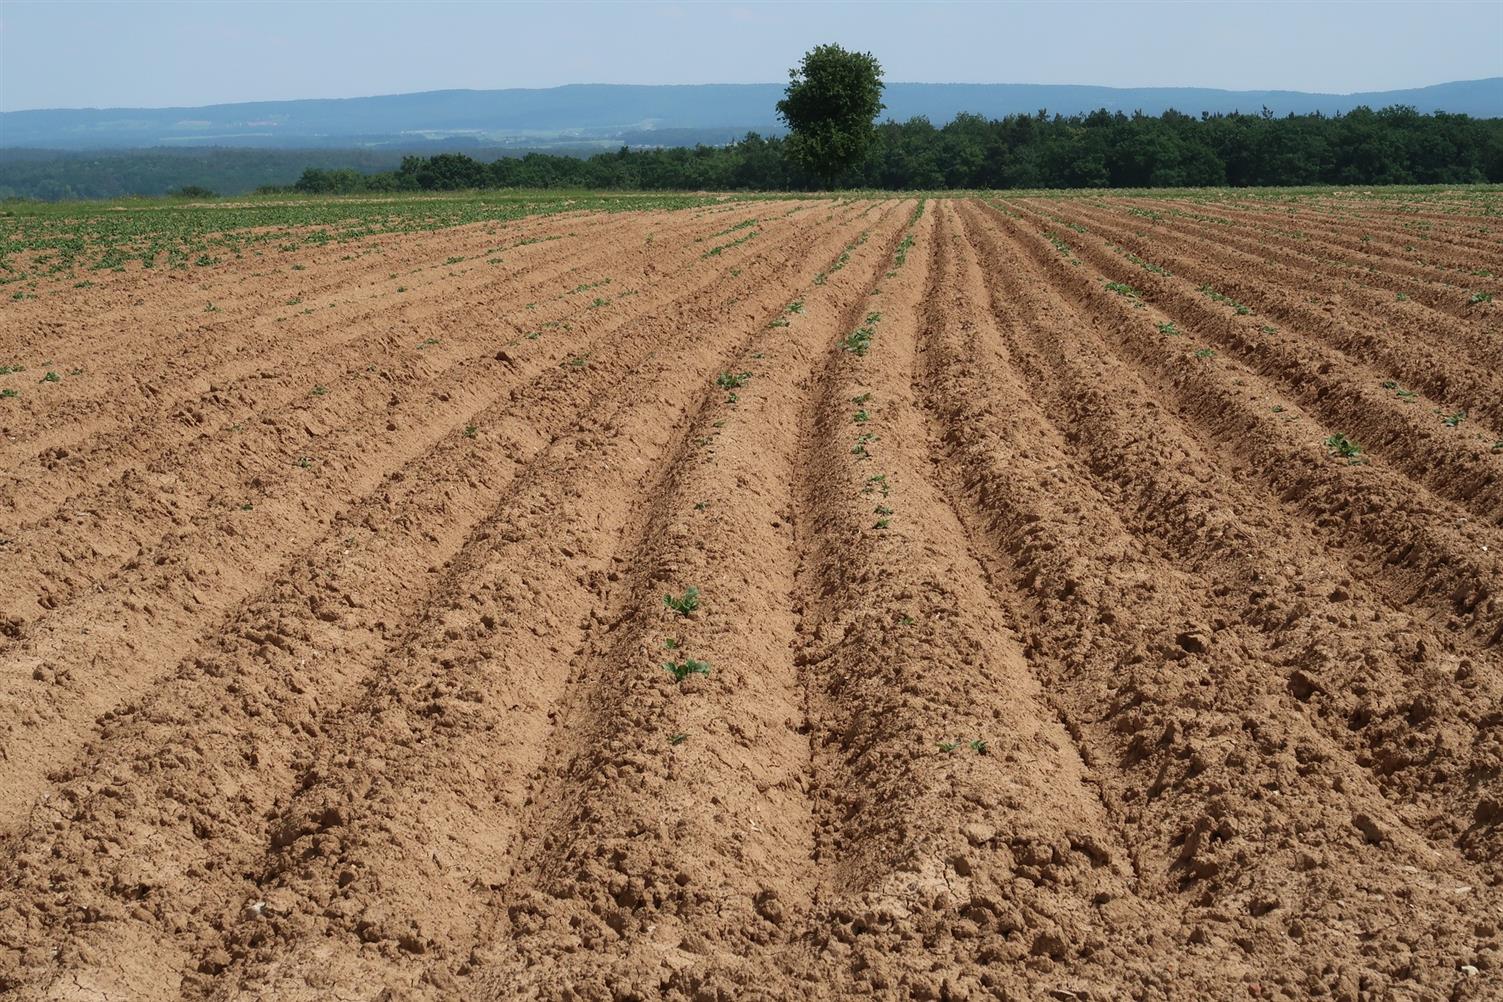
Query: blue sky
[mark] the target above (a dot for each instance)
(88, 54)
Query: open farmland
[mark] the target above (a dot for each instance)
(992, 597)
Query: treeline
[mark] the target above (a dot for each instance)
(1395, 145)
(51, 175)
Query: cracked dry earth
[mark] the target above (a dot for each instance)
(1051, 653)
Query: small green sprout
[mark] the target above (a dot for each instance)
(684, 604)
(681, 670)
(1344, 447)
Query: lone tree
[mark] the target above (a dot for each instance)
(832, 97)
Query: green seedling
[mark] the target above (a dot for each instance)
(882, 523)
(1267, 329)
(428, 342)
(677, 739)
(978, 746)
(672, 643)
(1218, 297)
(1167, 327)
(247, 506)
(9, 394)
(304, 462)
(1480, 297)
(1344, 447)
(1452, 420)
(859, 449)
(1277, 408)
(732, 381)
(1401, 298)
(681, 670)
(1205, 352)
(470, 431)
(320, 390)
(876, 482)
(684, 604)
(211, 308)
(862, 417)
(882, 509)
(51, 377)
(864, 398)
(858, 341)
(948, 746)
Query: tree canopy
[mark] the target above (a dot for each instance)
(1099, 150)
(832, 99)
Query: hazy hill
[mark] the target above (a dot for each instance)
(595, 113)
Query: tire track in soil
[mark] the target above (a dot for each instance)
(384, 864)
(162, 598)
(1108, 632)
(654, 866)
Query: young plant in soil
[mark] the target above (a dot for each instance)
(684, 604)
(681, 670)
(1344, 447)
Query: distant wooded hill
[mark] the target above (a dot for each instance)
(600, 115)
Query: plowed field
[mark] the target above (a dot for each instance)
(974, 598)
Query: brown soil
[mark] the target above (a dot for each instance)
(1049, 655)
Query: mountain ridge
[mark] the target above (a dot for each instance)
(600, 113)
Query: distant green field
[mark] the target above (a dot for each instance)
(40, 239)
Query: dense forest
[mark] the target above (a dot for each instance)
(1395, 145)
(56, 175)
(1392, 146)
